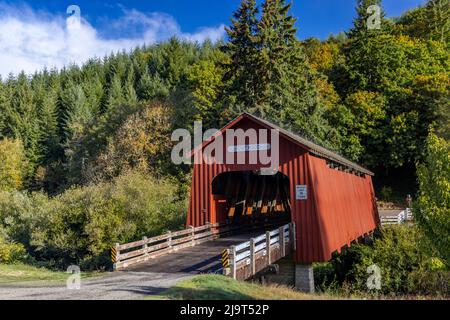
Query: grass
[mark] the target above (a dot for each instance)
(216, 287)
(20, 273)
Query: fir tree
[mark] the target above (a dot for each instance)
(242, 49)
(115, 93)
(361, 26)
(23, 121)
(279, 55)
(438, 20)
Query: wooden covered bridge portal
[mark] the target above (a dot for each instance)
(314, 204)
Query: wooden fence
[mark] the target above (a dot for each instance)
(402, 217)
(132, 253)
(249, 258)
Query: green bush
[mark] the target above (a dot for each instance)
(24, 217)
(432, 208)
(11, 252)
(405, 259)
(13, 164)
(80, 225)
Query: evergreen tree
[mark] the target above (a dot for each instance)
(364, 17)
(22, 121)
(242, 49)
(115, 93)
(46, 98)
(130, 96)
(3, 108)
(279, 58)
(76, 111)
(359, 51)
(438, 18)
(151, 87)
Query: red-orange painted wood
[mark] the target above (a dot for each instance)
(340, 207)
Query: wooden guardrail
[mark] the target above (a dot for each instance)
(125, 255)
(402, 217)
(248, 258)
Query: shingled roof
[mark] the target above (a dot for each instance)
(310, 146)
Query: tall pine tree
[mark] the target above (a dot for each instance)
(241, 74)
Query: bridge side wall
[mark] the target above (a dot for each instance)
(344, 206)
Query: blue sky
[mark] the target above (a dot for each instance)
(318, 18)
(34, 34)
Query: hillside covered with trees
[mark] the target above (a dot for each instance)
(76, 142)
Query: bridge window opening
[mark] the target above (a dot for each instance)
(248, 197)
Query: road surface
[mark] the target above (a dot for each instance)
(140, 281)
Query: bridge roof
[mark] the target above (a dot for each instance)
(311, 147)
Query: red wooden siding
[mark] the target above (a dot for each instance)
(340, 207)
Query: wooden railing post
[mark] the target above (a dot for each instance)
(252, 256)
(233, 261)
(294, 236)
(192, 234)
(145, 246)
(169, 239)
(117, 255)
(281, 240)
(268, 247)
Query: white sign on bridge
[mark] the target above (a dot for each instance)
(301, 192)
(249, 148)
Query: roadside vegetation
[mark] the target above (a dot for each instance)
(414, 259)
(407, 263)
(215, 287)
(19, 273)
(80, 225)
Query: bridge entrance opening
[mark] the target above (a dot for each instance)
(248, 197)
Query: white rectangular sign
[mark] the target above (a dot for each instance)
(301, 192)
(249, 148)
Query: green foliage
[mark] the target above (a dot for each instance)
(11, 252)
(361, 28)
(241, 74)
(141, 143)
(80, 225)
(432, 208)
(268, 74)
(13, 165)
(412, 76)
(406, 262)
(371, 95)
(218, 287)
(431, 21)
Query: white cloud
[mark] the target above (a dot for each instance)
(31, 40)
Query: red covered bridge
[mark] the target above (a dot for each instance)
(330, 199)
(322, 201)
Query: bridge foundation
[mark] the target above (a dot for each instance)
(304, 278)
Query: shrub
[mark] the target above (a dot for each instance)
(141, 143)
(11, 252)
(25, 216)
(405, 259)
(80, 225)
(432, 209)
(13, 164)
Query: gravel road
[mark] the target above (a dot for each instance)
(145, 279)
(114, 286)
